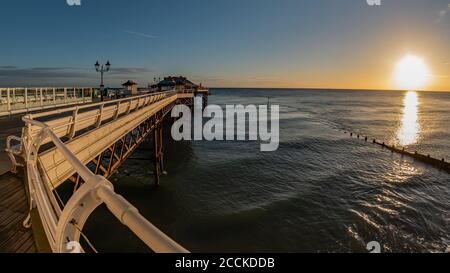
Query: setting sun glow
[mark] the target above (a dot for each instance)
(411, 73)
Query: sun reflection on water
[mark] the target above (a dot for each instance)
(400, 171)
(409, 131)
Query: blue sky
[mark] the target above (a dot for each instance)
(251, 43)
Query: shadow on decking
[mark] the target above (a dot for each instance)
(14, 238)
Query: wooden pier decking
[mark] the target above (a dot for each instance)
(14, 238)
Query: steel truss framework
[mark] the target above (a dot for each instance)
(186, 101)
(110, 160)
(190, 101)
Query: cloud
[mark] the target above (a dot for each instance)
(41, 72)
(64, 72)
(148, 36)
(52, 68)
(129, 70)
(249, 81)
(8, 67)
(66, 76)
(440, 76)
(441, 15)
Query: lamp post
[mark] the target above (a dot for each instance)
(102, 69)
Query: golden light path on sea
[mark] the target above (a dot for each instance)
(409, 131)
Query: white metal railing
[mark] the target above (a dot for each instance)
(64, 225)
(66, 122)
(73, 119)
(143, 99)
(20, 100)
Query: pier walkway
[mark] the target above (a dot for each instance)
(14, 205)
(14, 208)
(83, 146)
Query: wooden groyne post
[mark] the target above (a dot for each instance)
(427, 159)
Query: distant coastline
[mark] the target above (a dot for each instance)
(324, 89)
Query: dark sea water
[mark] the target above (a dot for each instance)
(322, 191)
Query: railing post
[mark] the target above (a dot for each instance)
(99, 120)
(8, 99)
(65, 95)
(13, 98)
(25, 97)
(129, 107)
(75, 94)
(42, 97)
(116, 115)
(74, 121)
(54, 96)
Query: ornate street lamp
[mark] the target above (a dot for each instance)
(102, 69)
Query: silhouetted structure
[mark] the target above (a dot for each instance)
(179, 83)
(131, 86)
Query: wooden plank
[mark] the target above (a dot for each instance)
(14, 238)
(27, 247)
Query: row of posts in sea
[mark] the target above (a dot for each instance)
(427, 159)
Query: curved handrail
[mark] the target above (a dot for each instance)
(96, 191)
(13, 150)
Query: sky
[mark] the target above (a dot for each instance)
(344, 44)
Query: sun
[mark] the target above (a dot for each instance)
(411, 73)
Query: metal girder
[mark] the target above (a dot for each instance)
(158, 148)
(110, 160)
(185, 101)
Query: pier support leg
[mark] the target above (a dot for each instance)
(158, 147)
(205, 101)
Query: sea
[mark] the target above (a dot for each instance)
(321, 191)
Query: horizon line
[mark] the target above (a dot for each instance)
(237, 87)
(331, 88)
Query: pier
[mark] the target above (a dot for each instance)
(82, 146)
